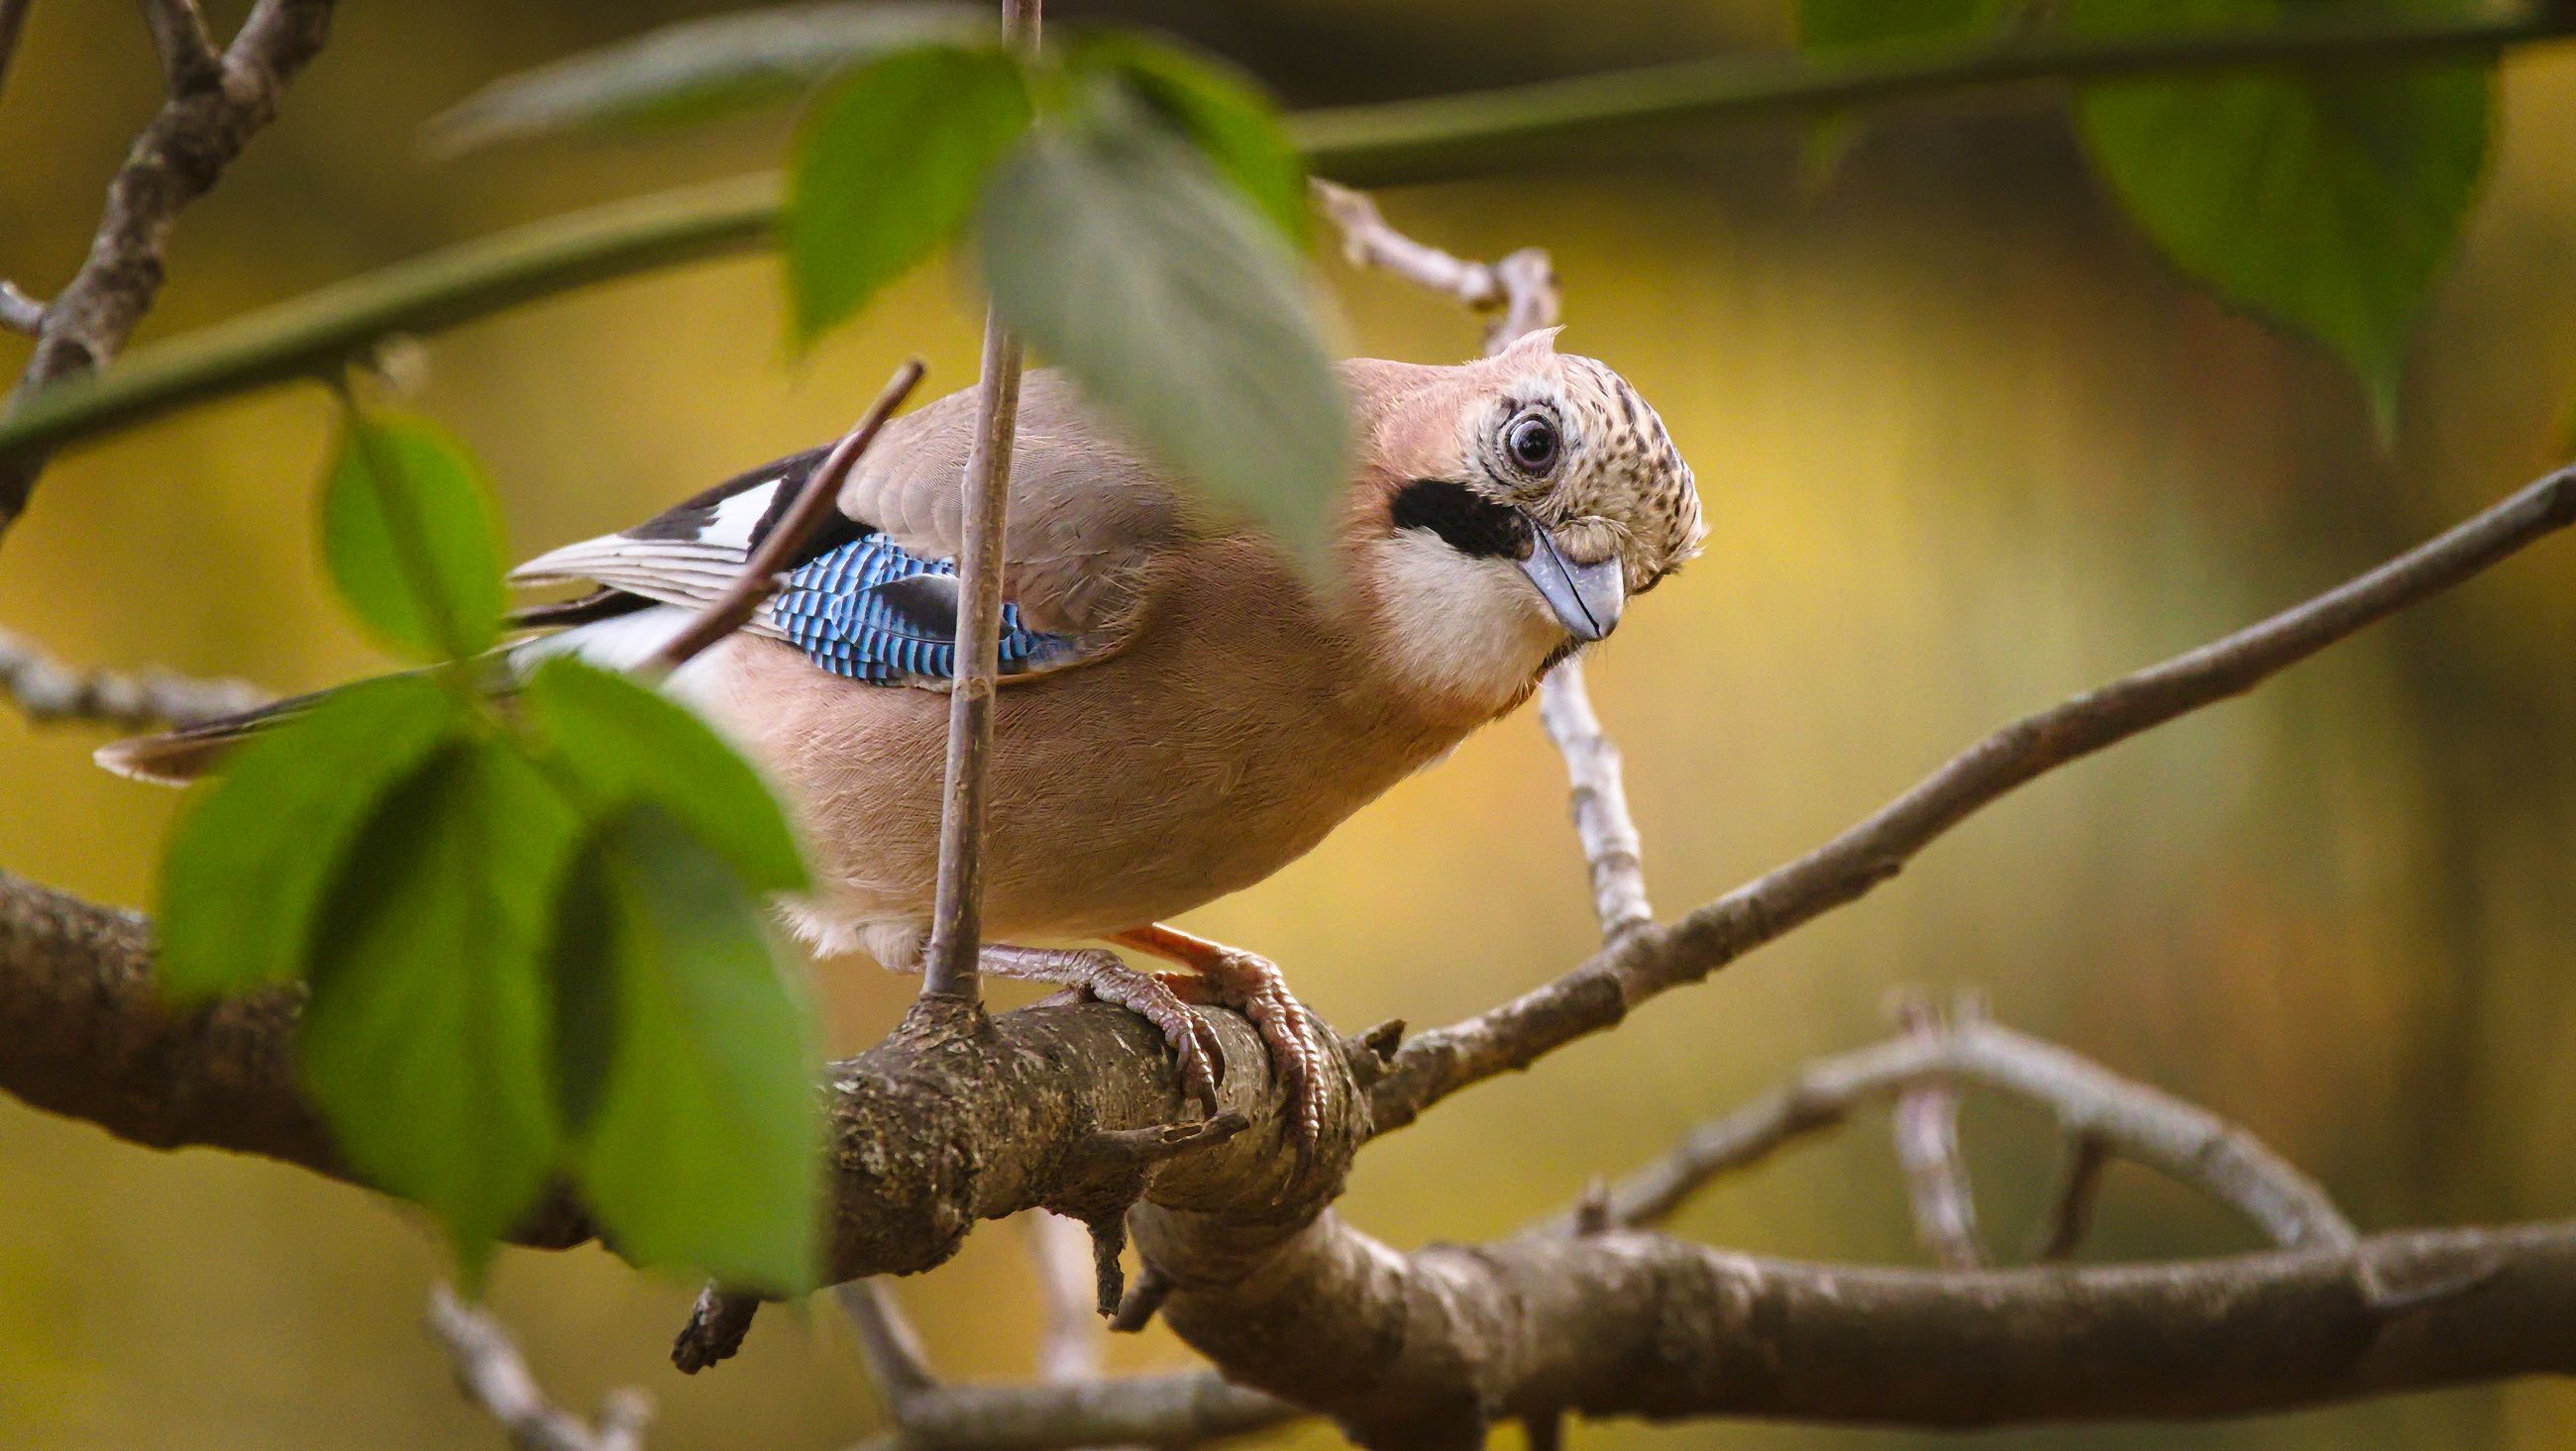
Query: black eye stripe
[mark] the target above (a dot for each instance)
(1466, 520)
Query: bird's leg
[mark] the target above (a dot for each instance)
(1253, 986)
(1100, 974)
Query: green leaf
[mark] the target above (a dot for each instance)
(427, 1041)
(2326, 203)
(627, 744)
(248, 865)
(1841, 28)
(409, 537)
(1220, 109)
(699, 70)
(1115, 250)
(887, 168)
(689, 1062)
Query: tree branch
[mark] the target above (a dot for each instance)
(46, 690)
(215, 107)
(2116, 1115)
(1409, 141)
(1187, 1409)
(490, 1369)
(1649, 961)
(1424, 1350)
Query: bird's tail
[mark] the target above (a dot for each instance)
(175, 758)
(615, 640)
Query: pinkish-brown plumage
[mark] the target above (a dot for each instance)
(1211, 713)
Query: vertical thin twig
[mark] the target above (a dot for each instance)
(1611, 850)
(2087, 1155)
(1069, 1345)
(956, 926)
(490, 1369)
(887, 1342)
(1926, 1127)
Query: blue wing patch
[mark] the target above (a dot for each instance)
(834, 609)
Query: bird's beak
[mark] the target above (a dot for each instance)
(1586, 597)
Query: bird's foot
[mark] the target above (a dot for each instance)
(1099, 974)
(1253, 986)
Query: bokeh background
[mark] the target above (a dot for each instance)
(1966, 448)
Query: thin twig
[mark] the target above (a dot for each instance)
(2071, 1208)
(189, 61)
(46, 690)
(1368, 242)
(19, 313)
(1601, 992)
(764, 572)
(948, 968)
(1926, 1129)
(1071, 1341)
(1190, 1408)
(1600, 801)
(490, 1369)
(2140, 1122)
(888, 1344)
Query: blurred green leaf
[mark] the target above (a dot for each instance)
(887, 168)
(627, 744)
(700, 70)
(427, 1039)
(1846, 25)
(1221, 109)
(247, 866)
(409, 537)
(2326, 203)
(1117, 251)
(689, 1061)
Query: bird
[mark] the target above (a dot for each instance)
(1183, 709)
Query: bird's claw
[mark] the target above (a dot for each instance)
(1103, 977)
(1254, 986)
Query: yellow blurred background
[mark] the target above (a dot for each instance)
(1965, 447)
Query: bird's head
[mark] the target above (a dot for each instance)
(1509, 511)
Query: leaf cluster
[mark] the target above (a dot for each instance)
(527, 910)
(2324, 202)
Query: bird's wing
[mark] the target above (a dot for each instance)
(874, 596)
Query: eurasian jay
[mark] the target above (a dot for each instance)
(1184, 711)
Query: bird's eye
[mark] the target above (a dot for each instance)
(1533, 444)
